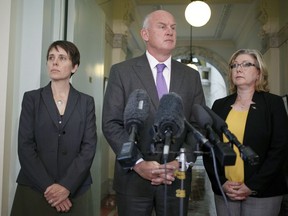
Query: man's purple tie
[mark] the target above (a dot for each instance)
(160, 81)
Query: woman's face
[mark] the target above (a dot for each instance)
(245, 71)
(60, 65)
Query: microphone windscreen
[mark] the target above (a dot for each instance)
(201, 116)
(170, 115)
(218, 122)
(137, 109)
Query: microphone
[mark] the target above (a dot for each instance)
(135, 114)
(200, 138)
(136, 111)
(169, 119)
(224, 153)
(247, 154)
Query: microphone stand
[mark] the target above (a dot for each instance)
(181, 193)
(166, 148)
(167, 145)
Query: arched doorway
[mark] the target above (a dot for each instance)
(212, 68)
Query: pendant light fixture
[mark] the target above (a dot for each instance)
(197, 13)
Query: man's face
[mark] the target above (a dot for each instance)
(160, 34)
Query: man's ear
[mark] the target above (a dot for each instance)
(144, 34)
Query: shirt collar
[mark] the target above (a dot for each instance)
(153, 62)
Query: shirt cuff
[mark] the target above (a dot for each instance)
(138, 161)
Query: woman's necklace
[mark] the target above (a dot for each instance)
(59, 102)
(60, 95)
(60, 105)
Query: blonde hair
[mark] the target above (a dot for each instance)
(262, 82)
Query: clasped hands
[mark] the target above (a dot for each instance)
(236, 190)
(57, 196)
(157, 173)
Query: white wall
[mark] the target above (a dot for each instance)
(24, 65)
(5, 14)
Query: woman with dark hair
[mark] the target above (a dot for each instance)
(56, 142)
(259, 120)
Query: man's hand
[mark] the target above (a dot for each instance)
(157, 173)
(165, 173)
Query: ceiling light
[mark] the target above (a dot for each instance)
(197, 13)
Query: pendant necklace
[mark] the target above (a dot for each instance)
(59, 102)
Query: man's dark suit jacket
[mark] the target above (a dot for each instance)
(266, 133)
(52, 149)
(135, 74)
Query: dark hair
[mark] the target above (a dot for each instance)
(69, 47)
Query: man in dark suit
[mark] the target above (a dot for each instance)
(141, 189)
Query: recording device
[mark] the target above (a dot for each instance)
(220, 125)
(135, 114)
(224, 153)
(169, 119)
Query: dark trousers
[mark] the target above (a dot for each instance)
(144, 206)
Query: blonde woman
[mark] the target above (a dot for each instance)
(259, 120)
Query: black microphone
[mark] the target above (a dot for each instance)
(220, 125)
(224, 153)
(169, 119)
(135, 114)
(200, 138)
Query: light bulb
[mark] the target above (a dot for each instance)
(197, 13)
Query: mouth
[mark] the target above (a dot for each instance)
(55, 71)
(169, 40)
(239, 77)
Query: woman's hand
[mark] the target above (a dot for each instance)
(236, 190)
(56, 194)
(64, 206)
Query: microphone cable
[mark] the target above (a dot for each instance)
(205, 142)
(218, 180)
(165, 159)
(165, 187)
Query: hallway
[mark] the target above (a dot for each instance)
(201, 199)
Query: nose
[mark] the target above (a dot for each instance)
(170, 31)
(55, 61)
(238, 67)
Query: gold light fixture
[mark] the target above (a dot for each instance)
(197, 13)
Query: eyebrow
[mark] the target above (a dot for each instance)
(162, 23)
(61, 54)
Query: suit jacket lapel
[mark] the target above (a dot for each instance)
(49, 102)
(71, 104)
(143, 71)
(176, 78)
(52, 109)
